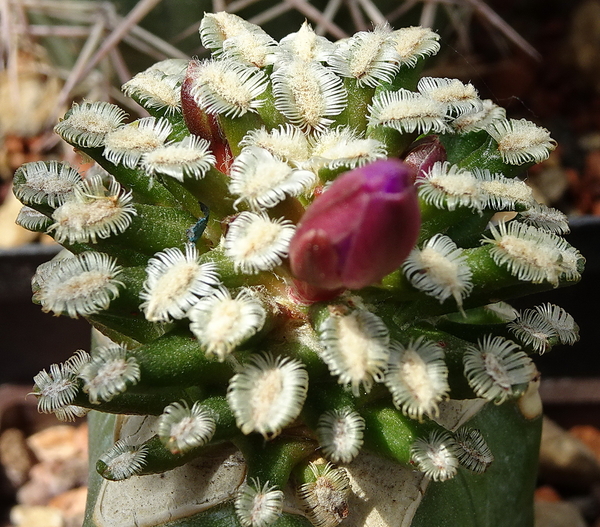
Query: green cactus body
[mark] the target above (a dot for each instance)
(227, 395)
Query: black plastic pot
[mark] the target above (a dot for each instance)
(582, 301)
(31, 339)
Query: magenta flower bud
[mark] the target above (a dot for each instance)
(424, 153)
(359, 230)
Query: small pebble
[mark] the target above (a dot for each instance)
(35, 516)
(557, 514)
(566, 461)
(72, 506)
(546, 493)
(589, 436)
(15, 456)
(50, 479)
(55, 443)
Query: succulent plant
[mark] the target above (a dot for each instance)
(300, 276)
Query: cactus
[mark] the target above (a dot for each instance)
(299, 283)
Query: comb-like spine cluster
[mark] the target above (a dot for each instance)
(234, 321)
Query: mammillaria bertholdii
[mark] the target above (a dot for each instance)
(277, 284)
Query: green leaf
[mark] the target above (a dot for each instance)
(502, 496)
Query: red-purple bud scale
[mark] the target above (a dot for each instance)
(202, 124)
(424, 153)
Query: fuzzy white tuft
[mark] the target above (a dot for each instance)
(367, 56)
(414, 43)
(32, 220)
(45, 182)
(340, 434)
(174, 283)
(564, 324)
(97, 208)
(521, 141)
(479, 119)
(109, 372)
(343, 147)
(326, 497)
(258, 505)
(287, 142)
(128, 143)
(79, 286)
(190, 157)
(448, 186)
(304, 45)
(216, 27)
(267, 394)
(533, 330)
(228, 87)
(263, 180)
(407, 112)
(456, 96)
(220, 322)
(497, 369)
(55, 389)
(255, 242)
(229, 35)
(254, 48)
(417, 377)
(156, 90)
(436, 455)
(545, 218)
(356, 348)
(123, 461)
(308, 94)
(439, 269)
(88, 123)
(530, 254)
(473, 452)
(181, 428)
(502, 193)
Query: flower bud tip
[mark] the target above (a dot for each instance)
(359, 230)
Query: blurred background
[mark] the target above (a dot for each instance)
(540, 59)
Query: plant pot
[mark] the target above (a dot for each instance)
(31, 339)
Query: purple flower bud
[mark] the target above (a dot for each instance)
(359, 230)
(424, 153)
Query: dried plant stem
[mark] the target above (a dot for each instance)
(329, 13)
(142, 8)
(428, 14)
(270, 14)
(120, 66)
(401, 9)
(219, 5)
(238, 5)
(372, 11)
(357, 17)
(494, 19)
(168, 50)
(75, 75)
(458, 16)
(315, 15)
